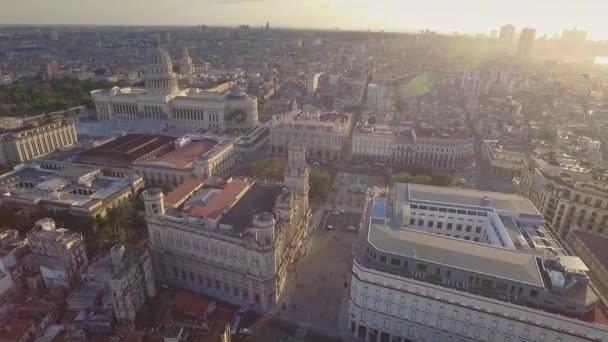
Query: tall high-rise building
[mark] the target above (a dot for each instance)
(574, 36)
(526, 41)
(507, 33)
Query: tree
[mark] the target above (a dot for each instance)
(267, 169)
(166, 188)
(320, 183)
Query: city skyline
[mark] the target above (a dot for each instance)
(470, 16)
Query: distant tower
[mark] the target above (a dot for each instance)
(154, 202)
(507, 34)
(186, 68)
(526, 41)
(54, 35)
(296, 171)
(98, 40)
(267, 26)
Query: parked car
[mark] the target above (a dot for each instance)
(330, 228)
(351, 228)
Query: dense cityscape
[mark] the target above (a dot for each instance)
(253, 183)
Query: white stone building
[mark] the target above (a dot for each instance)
(199, 157)
(505, 161)
(566, 193)
(380, 143)
(234, 242)
(162, 100)
(324, 134)
(440, 264)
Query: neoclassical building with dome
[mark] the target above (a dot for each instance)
(162, 99)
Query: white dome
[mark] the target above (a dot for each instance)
(158, 56)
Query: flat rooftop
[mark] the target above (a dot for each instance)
(259, 198)
(499, 201)
(184, 156)
(457, 253)
(126, 149)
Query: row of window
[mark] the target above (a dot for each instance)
(449, 210)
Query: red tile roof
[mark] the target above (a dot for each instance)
(184, 156)
(220, 202)
(191, 304)
(182, 191)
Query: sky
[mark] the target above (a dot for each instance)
(464, 16)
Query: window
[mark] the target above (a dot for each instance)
(428, 306)
(402, 300)
(377, 293)
(413, 315)
(376, 305)
(439, 225)
(464, 329)
(383, 258)
(491, 337)
(421, 222)
(533, 293)
(477, 331)
(386, 323)
(415, 303)
(452, 325)
(390, 297)
(467, 317)
(365, 290)
(365, 301)
(494, 324)
(478, 230)
(541, 337)
(441, 310)
(389, 309)
(426, 319)
(455, 313)
(439, 323)
(449, 226)
(412, 221)
(510, 328)
(459, 227)
(429, 224)
(468, 229)
(526, 332)
(401, 311)
(395, 262)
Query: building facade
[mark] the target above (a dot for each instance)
(437, 264)
(162, 99)
(61, 252)
(324, 134)
(504, 161)
(29, 142)
(406, 145)
(131, 282)
(376, 97)
(566, 194)
(200, 157)
(234, 242)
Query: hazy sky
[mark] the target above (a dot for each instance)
(548, 16)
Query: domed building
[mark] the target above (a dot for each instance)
(162, 99)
